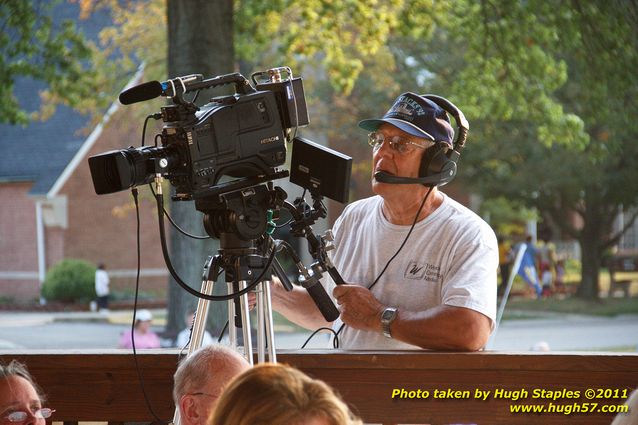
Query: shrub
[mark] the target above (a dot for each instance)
(70, 281)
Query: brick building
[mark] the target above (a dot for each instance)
(49, 210)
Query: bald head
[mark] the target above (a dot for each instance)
(201, 377)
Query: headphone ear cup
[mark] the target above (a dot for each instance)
(434, 160)
(437, 165)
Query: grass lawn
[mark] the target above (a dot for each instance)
(522, 303)
(573, 305)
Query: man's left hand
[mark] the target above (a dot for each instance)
(359, 308)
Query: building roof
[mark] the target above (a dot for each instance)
(40, 151)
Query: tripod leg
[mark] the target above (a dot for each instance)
(270, 331)
(232, 330)
(261, 325)
(201, 314)
(245, 320)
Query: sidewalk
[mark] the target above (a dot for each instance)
(101, 330)
(116, 317)
(77, 330)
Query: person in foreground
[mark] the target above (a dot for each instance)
(200, 379)
(276, 394)
(20, 398)
(631, 416)
(421, 267)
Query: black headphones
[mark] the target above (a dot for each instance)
(439, 162)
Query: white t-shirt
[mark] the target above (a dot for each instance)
(183, 338)
(101, 283)
(451, 258)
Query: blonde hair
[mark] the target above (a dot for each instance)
(276, 394)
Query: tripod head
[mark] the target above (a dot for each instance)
(240, 214)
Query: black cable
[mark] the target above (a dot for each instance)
(279, 226)
(416, 218)
(196, 96)
(158, 116)
(221, 335)
(137, 287)
(170, 219)
(180, 282)
(155, 116)
(144, 128)
(317, 331)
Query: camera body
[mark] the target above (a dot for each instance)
(237, 136)
(241, 136)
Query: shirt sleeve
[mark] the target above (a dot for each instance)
(471, 280)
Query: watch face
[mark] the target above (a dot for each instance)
(387, 317)
(388, 313)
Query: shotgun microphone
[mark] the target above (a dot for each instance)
(152, 89)
(141, 93)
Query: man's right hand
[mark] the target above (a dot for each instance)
(296, 305)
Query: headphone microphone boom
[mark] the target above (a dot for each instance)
(433, 180)
(439, 163)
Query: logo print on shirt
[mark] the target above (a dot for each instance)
(414, 271)
(426, 271)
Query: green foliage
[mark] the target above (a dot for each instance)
(507, 217)
(4, 300)
(70, 281)
(549, 88)
(339, 35)
(32, 46)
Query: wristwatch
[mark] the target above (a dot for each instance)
(387, 317)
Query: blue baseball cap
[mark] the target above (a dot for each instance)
(418, 116)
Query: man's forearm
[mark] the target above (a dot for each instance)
(443, 328)
(298, 307)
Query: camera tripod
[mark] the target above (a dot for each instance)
(240, 220)
(241, 264)
(243, 259)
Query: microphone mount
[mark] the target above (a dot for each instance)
(175, 88)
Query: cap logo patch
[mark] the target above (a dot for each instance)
(406, 108)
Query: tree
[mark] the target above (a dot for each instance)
(32, 46)
(199, 41)
(552, 89)
(548, 89)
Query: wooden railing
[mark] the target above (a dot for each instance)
(104, 386)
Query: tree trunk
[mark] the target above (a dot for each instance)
(200, 41)
(591, 262)
(595, 229)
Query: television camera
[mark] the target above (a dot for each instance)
(224, 156)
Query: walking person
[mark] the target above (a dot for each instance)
(102, 288)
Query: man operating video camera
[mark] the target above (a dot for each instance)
(421, 268)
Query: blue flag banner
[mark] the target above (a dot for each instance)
(527, 270)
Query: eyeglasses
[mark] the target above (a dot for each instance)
(43, 413)
(400, 144)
